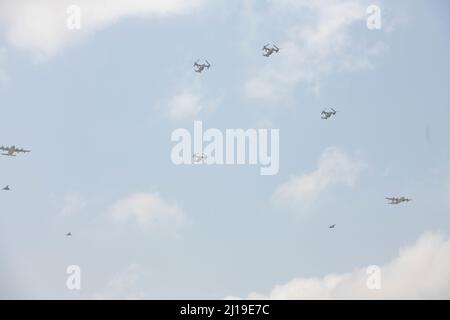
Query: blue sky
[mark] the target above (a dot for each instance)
(97, 107)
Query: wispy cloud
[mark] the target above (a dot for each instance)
(421, 271)
(148, 210)
(123, 285)
(190, 102)
(74, 202)
(335, 167)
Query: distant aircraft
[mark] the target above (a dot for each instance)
(268, 51)
(201, 67)
(6, 188)
(68, 234)
(199, 157)
(332, 226)
(327, 114)
(11, 151)
(395, 200)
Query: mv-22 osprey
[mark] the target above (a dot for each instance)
(200, 67)
(327, 114)
(267, 51)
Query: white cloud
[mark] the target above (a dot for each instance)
(148, 210)
(40, 26)
(190, 102)
(73, 203)
(421, 271)
(318, 42)
(334, 167)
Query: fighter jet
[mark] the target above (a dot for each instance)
(11, 151)
(332, 226)
(327, 114)
(201, 67)
(68, 234)
(6, 188)
(268, 51)
(199, 157)
(395, 200)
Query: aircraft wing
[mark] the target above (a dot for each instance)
(4, 148)
(22, 150)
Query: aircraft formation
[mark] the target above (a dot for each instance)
(11, 152)
(268, 50)
(327, 113)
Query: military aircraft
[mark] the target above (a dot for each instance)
(199, 157)
(68, 234)
(395, 200)
(11, 151)
(201, 67)
(268, 51)
(332, 226)
(6, 188)
(327, 114)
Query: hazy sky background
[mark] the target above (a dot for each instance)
(97, 107)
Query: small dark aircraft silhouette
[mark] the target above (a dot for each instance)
(396, 200)
(199, 157)
(12, 151)
(327, 114)
(201, 67)
(268, 51)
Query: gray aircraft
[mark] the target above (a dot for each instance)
(6, 188)
(327, 114)
(68, 234)
(395, 200)
(199, 157)
(200, 67)
(269, 50)
(332, 226)
(11, 151)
